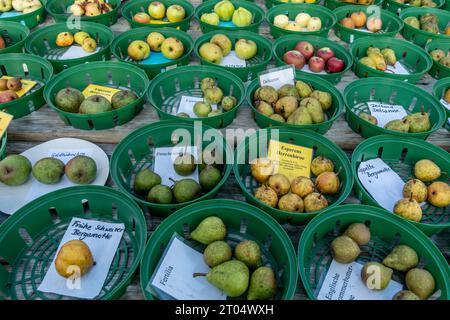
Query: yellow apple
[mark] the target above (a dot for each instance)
(64, 39)
(172, 48)
(155, 40)
(89, 45)
(77, 10)
(5, 5)
(210, 18)
(92, 9)
(245, 49)
(302, 19)
(314, 24)
(211, 52)
(157, 10)
(292, 26)
(80, 36)
(138, 50)
(281, 21)
(175, 13)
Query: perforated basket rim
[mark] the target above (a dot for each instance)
(439, 4)
(394, 83)
(440, 84)
(181, 215)
(380, 140)
(375, 214)
(24, 30)
(416, 11)
(65, 16)
(341, 4)
(278, 2)
(337, 151)
(23, 16)
(3, 142)
(47, 199)
(437, 43)
(164, 124)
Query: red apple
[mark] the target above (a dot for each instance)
(316, 64)
(294, 57)
(325, 53)
(335, 65)
(305, 48)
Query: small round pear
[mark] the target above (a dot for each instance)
(291, 203)
(344, 249)
(409, 209)
(314, 202)
(405, 295)
(426, 170)
(267, 195)
(262, 169)
(439, 194)
(375, 275)
(359, 232)
(74, 259)
(416, 189)
(420, 282)
(279, 183)
(321, 164)
(216, 253)
(328, 183)
(302, 186)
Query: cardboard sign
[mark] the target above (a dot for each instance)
(290, 160)
(94, 89)
(173, 278)
(385, 112)
(27, 85)
(5, 120)
(187, 103)
(231, 60)
(343, 282)
(278, 77)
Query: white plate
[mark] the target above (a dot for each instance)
(13, 198)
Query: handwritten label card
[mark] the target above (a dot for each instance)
(290, 160)
(5, 120)
(103, 240)
(278, 77)
(343, 282)
(385, 112)
(397, 68)
(233, 61)
(445, 104)
(187, 103)
(164, 158)
(383, 183)
(173, 278)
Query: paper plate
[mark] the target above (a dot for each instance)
(13, 198)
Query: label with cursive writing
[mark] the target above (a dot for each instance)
(383, 183)
(385, 112)
(173, 278)
(103, 239)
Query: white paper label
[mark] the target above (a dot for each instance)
(174, 276)
(276, 78)
(103, 239)
(164, 158)
(186, 105)
(385, 112)
(231, 60)
(343, 282)
(397, 68)
(445, 104)
(383, 183)
(75, 52)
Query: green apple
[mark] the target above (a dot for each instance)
(224, 10)
(156, 10)
(245, 49)
(242, 17)
(155, 40)
(138, 50)
(14, 170)
(95, 104)
(223, 42)
(175, 13)
(211, 52)
(172, 48)
(210, 18)
(5, 5)
(202, 109)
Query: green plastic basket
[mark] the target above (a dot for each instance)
(120, 45)
(243, 222)
(387, 231)
(439, 89)
(396, 7)
(132, 7)
(412, 57)
(42, 43)
(421, 37)
(166, 90)
(208, 7)
(271, 3)
(392, 24)
(3, 141)
(29, 20)
(14, 34)
(317, 83)
(334, 4)
(288, 42)
(306, 138)
(327, 17)
(392, 91)
(401, 154)
(58, 9)
(446, 5)
(27, 67)
(30, 238)
(136, 151)
(254, 65)
(438, 70)
(112, 74)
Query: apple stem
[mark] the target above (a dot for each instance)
(199, 274)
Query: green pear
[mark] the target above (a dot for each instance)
(400, 125)
(418, 122)
(81, 170)
(210, 177)
(303, 88)
(249, 252)
(69, 99)
(263, 285)
(216, 253)
(14, 170)
(405, 295)
(231, 277)
(161, 194)
(207, 83)
(145, 180)
(48, 170)
(184, 164)
(344, 249)
(314, 108)
(401, 258)
(300, 116)
(186, 190)
(123, 98)
(95, 104)
(228, 103)
(420, 282)
(376, 276)
(209, 230)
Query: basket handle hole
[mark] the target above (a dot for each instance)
(413, 104)
(359, 129)
(5, 264)
(54, 215)
(131, 156)
(150, 141)
(133, 225)
(186, 230)
(404, 54)
(90, 124)
(86, 207)
(23, 233)
(396, 239)
(314, 244)
(367, 223)
(114, 211)
(337, 228)
(372, 93)
(403, 155)
(380, 152)
(25, 69)
(243, 226)
(268, 242)
(393, 96)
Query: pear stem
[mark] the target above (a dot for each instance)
(199, 274)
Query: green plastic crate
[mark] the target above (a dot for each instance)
(271, 3)
(396, 7)
(438, 70)
(401, 154)
(3, 141)
(334, 4)
(288, 42)
(119, 75)
(120, 45)
(14, 34)
(29, 67)
(327, 17)
(243, 222)
(412, 98)
(391, 24)
(446, 5)
(208, 7)
(421, 37)
(58, 9)
(31, 19)
(30, 238)
(412, 57)
(306, 138)
(42, 42)
(333, 113)
(387, 231)
(136, 151)
(166, 90)
(439, 89)
(254, 65)
(132, 7)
